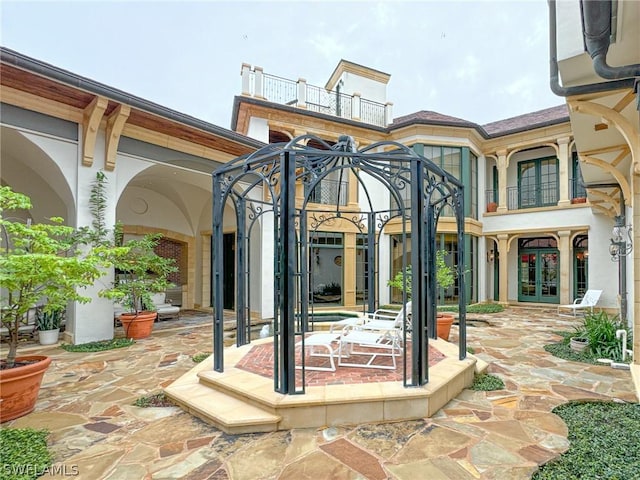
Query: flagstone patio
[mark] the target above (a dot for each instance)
(86, 402)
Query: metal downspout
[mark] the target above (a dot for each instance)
(553, 66)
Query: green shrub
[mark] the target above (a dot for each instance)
(604, 442)
(486, 382)
(24, 453)
(474, 308)
(600, 331)
(99, 346)
(153, 400)
(199, 357)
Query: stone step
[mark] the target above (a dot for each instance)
(223, 411)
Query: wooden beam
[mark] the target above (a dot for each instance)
(115, 124)
(626, 100)
(612, 148)
(617, 174)
(90, 123)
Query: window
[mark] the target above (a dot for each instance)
(325, 268)
(577, 189)
(538, 183)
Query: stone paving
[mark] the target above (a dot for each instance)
(86, 403)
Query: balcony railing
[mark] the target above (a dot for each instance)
(576, 189)
(540, 195)
(330, 192)
(315, 99)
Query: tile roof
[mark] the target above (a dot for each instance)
(427, 116)
(548, 116)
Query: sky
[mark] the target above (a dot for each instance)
(478, 60)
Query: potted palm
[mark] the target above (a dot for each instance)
(40, 262)
(444, 278)
(140, 272)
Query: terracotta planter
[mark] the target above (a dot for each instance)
(138, 326)
(443, 325)
(579, 200)
(492, 207)
(19, 386)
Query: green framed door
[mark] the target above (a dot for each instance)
(538, 274)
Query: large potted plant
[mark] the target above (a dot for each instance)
(444, 278)
(140, 272)
(40, 263)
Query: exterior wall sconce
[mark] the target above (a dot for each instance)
(621, 240)
(490, 256)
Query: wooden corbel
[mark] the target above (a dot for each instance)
(115, 124)
(90, 124)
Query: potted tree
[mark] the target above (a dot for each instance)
(140, 272)
(444, 278)
(39, 262)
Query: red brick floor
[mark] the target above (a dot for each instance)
(259, 360)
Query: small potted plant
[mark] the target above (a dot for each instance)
(48, 323)
(140, 272)
(39, 261)
(444, 278)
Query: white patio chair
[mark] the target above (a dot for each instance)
(320, 345)
(589, 301)
(381, 343)
(380, 319)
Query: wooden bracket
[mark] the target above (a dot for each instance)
(90, 124)
(115, 124)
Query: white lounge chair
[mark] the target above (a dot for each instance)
(382, 343)
(589, 301)
(321, 345)
(380, 319)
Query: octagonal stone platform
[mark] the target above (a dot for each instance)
(242, 401)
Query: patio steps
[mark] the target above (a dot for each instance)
(229, 414)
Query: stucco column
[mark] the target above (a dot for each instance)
(635, 310)
(564, 169)
(349, 270)
(245, 72)
(565, 266)
(302, 93)
(93, 321)
(503, 255)
(257, 85)
(355, 106)
(502, 182)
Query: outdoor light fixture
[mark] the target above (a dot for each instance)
(621, 241)
(490, 256)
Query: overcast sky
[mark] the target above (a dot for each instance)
(478, 60)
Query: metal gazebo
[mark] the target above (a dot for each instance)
(278, 191)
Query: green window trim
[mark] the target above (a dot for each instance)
(538, 182)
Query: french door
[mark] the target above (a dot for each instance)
(539, 275)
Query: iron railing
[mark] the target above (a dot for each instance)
(279, 90)
(330, 102)
(576, 189)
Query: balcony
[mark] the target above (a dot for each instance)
(312, 98)
(540, 195)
